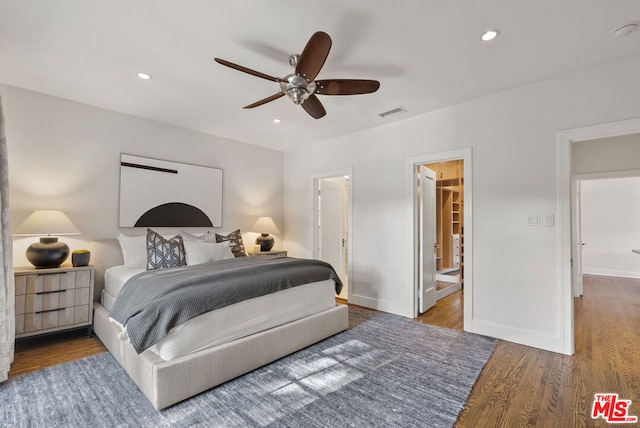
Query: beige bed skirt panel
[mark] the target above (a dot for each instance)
(168, 382)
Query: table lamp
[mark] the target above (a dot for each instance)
(49, 252)
(265, 226)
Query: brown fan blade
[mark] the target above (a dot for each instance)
(266, 100)
(346, 86)
(313, 106)
(313, 56)
(247, 70)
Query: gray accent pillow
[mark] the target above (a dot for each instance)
(235, 237)
(164, 253)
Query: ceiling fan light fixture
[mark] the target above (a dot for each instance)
(297, 95)
(297, 88)
(489, 35)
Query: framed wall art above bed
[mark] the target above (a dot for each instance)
(159, 193)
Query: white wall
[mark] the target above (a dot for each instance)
(516, 279)
(611, 206)
(65, 155)
(619, 153)
(611, 226)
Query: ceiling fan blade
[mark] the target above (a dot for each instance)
(313, 106)
(313, 56)
(346, 86)
(265, 100)
(246, 70)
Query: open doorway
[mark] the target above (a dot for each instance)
(606, 211)
(449, 210)
(332, 223)
(597, 149)
(451, 248)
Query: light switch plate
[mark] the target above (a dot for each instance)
(549, 220)
(533, 220)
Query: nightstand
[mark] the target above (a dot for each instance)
(270, 253)
(51, 300)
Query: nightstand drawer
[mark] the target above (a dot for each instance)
(49, 300)
(33, 322)
(46, 282)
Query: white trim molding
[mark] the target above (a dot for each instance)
(564, 140)
(412, 162)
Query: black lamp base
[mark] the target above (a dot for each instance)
(48, 253)
(265, 241)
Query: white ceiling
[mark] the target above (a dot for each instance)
(426, 54)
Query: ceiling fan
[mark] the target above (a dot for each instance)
(301, 85)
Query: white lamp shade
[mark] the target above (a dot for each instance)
(265, 225)
(47, 222)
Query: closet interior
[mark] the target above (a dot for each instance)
(449, 225)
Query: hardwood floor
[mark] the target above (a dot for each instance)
(36, 353)
(519, 386)
(528, 387)
(448, 312)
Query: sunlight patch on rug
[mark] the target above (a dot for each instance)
(384, 371)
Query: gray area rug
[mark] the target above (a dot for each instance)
(384, 371)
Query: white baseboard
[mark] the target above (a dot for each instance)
(535, 339)
(611, 272)
(448, 278)
(379, 304)
(446, 291)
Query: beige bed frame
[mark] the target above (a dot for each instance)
(168, 382)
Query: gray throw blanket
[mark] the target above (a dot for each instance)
(153, 302)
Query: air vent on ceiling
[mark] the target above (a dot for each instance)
(393, 111)
(626, 30)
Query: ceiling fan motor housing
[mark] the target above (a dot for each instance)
(297, 88)
(301, 86)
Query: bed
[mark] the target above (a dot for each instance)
(194, 357)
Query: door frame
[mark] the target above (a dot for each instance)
(565, 238)
(412, 163)
(576, 180)
(313, 229)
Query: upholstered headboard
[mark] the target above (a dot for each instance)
(104, 254)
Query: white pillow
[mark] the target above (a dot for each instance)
(207, 237)
(223, 251)
(199, 252)
(134, 250)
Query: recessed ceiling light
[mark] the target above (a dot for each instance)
(277, 120)
(489, 35)
(144, 76)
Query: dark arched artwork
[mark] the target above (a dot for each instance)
(174, 214)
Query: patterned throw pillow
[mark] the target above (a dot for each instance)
(235, 237)
(164, 253)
